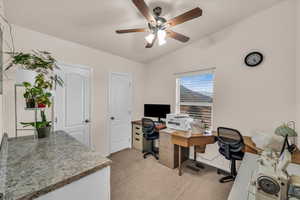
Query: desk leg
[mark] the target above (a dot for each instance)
(195, 154)
(199, 165)
(179, 160)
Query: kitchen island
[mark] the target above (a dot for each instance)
(58, 167)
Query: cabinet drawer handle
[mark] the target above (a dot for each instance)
(137, 139)
(137, 133)
(138, 128)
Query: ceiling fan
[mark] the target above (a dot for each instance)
(159, 26)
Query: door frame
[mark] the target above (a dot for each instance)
(109, 105)
(63, 65)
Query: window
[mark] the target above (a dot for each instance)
(195, 96)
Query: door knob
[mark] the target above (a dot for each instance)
(87, 121)
(112, 118)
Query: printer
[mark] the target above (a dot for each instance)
(179, 122)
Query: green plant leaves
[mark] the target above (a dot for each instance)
(44, 64)
(36, 125)
(41, 124)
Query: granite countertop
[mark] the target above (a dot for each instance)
(37, 166)
(3, 161)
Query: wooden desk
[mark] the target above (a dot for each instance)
(138, 141)
(184, 139)
(158, 127)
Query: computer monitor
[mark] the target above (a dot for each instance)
(157, 110)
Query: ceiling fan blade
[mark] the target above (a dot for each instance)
(150, 45)
(192, 14)
(144, 9)
(177, 36)
(135, 30)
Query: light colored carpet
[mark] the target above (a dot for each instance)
(135, 178)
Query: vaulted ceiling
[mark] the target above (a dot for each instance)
(93, 22)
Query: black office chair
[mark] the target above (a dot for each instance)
(150, 134)
(231, 146)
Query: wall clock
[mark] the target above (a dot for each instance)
(254, 59)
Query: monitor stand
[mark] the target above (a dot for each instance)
(160, 121)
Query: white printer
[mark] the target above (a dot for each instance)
(179, 121)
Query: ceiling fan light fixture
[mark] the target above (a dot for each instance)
(161, 34)
(159, 27)
(149, 38)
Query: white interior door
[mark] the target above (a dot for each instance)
(72, 103)
(120, 106)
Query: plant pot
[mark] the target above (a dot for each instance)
(30, 103)
(41, 105)
(44, 132)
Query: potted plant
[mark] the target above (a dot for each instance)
(44, 100)
(42, 127)
(30, 94)
(44, 65)
(40, 62)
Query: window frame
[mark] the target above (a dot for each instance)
(178, 103)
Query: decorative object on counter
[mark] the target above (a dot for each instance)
(42, 127)
(286, 131)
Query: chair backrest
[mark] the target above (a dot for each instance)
(230, 140)
(148, 126)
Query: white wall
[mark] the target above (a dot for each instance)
(72, 53)
(248, 99)
(298, 65)
(1, 103)
(245, 98)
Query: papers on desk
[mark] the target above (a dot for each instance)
(168, 130)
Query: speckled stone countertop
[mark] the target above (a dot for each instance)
(3, 161)
(38, 166)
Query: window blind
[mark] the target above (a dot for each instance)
(197, 89)
(196, 96)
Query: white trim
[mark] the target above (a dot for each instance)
(195, 104)
(196, 72)
(190, 73)
(109, 105)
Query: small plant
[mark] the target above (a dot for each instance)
(30, 94)
(42, 127)
(44, 99)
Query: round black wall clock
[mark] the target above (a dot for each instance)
(254, 59)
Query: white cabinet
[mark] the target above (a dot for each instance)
(92, 187)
